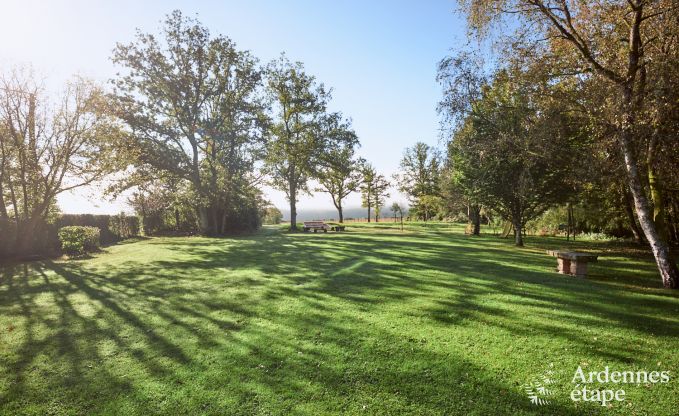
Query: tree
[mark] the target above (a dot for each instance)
(429, 205)
(339, 174)
(380, 186)
(272, 215)
(515, 150)
(398, 210)
(420, 173)
(613, 42)
(163, 203)
(46, 149)
(462, 78)
(368, 175)
(373, 190)
(193, 109)
(302, 131)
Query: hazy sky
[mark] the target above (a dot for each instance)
(378, 56)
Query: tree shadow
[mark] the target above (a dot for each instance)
(302, 323)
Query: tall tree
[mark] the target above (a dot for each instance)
(462, 78)
(368, 175)
(339, 175)
(302, 130)
(397, 209)
(612, 41)
(420, 173)
(48, 148)
(515, 150)
(193, 107)
(379, 187)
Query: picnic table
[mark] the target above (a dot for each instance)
(572, 262)
(320, 225)
(315, 226)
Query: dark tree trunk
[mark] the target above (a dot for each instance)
(475, 219)
(293, 207)
(3, 207)
(518, 234)
(656, 192)
(338, 205)
(675, 219)
(176, 219)
(204, 220)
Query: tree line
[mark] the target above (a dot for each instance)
(582, 110)
(190, 124)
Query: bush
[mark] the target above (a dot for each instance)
(77, 240)
(597, 237)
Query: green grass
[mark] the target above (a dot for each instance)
(373, 321)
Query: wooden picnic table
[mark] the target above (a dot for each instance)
(572, 262)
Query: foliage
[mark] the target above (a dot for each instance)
(112, 228)
(373, 187)
(272, 215)
(515, 150)
(124, 226)
(77, 240)
(597, 237)
(47, 148)
(419, 176)
(303, 137)
(339, 174)
(624, 55)
(192, 103)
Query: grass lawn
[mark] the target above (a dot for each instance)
(371, 321)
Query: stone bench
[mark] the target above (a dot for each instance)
(572, 262)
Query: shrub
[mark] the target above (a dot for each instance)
(597, 237)
(77, 240)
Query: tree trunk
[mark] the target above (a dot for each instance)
(204, 217)
(27, 235)
(666, 265)
(475, 218)
(368, 213)
(293, 207)
(655, 187)
(518, 234)
(3, 208)
(629, 210)
(176, 218)
(675, 218)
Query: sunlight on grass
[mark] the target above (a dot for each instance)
(428, 321)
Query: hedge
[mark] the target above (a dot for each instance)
(112, 228)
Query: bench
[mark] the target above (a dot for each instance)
(337, 227)
(572, 262)
(315, 226)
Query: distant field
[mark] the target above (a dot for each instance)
(372, 321)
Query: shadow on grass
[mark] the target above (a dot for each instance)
(298, 323)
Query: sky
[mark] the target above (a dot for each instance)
(378, 56)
